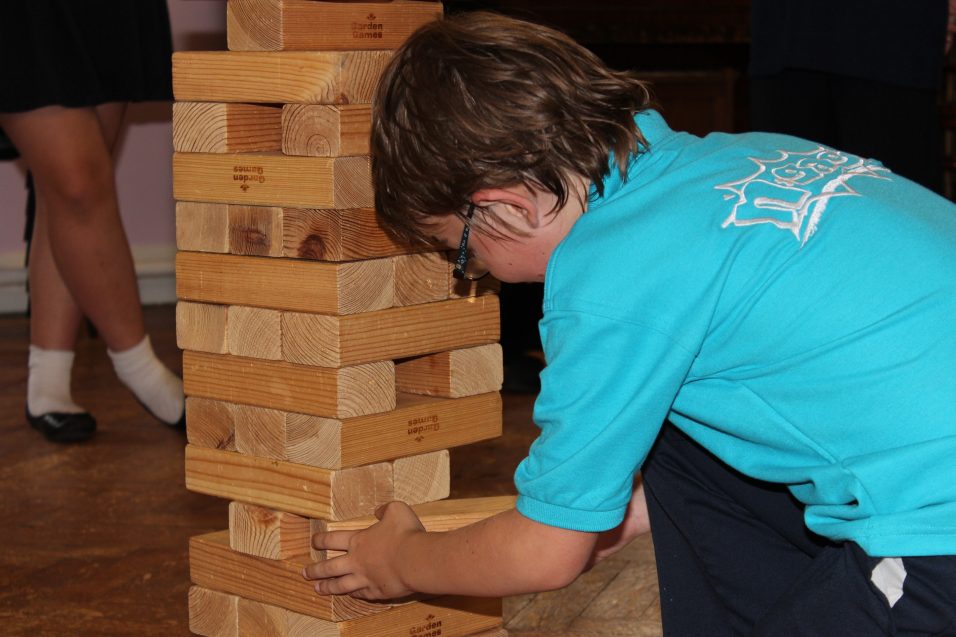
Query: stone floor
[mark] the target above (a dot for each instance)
(93, 537)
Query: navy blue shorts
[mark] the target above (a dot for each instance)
(734, 558)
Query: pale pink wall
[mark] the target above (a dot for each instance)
(144, 180)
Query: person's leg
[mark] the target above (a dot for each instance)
(76, 197)
(897, 125)
(726, 546)
(793, 102)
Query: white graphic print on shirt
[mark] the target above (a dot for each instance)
(792, 191)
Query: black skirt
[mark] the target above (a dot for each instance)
(83, 53)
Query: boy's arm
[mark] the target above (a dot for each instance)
(506, 554)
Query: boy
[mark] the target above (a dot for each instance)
(788, 307)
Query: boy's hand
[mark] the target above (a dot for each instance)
(636, 522)
(370, 568)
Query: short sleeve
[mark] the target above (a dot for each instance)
(605, 392)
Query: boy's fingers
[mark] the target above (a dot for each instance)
(334, 540)
(339, 585)
(335, 567)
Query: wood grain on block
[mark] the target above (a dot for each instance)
(208, 127)
(255, 230)
(417, 425)
(213, 614)
(273, 179)
(285, 284)
(276, 535)
(312, 77)
(306, 25)
(254, 332)
(452, 374)
(202, 227)
(445, 616)
(307, 491)
(420, 278)
(202, 327)
(210, 423)
(321, 130)
(318, 391)
(332, 341)
(438, 516)
(212, 564)
(422, 478)
(338, 235)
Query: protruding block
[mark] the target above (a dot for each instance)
(445, 616)
(417, 425)
(318, 391)
(320, 130)
(422, 478)
(208, 127)
(213, 614)
(452, 374)
(313, 77)
(285, 284)
(212, 564)
(276, 535)
(420, 278)
(210, 423)
(254, 332)
(273, 179)
(202, 327)
(439, 516)
(306, 491)
(202, 227)
(276, 25)
(315, 339)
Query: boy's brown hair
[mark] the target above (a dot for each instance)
(479, 100)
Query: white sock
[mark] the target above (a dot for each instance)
(48, 385)
(154, 385)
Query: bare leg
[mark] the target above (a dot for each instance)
(78, 227)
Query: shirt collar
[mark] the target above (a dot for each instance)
(655, 131)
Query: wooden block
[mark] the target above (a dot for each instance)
(213, 614)
(276, 535)
(318, 391)
(210, 423)
(202, 226)
(208, 127)
(420, 278)
(438, 516)
(212, 564)
(417, 425)
(285, 284)
(255, 230)
(254, 332)
(338, 235)
(445, 616)
(332, 341)
(319, 130)
(452, 374)
(202, 327)
(422, 478)
(276, 25)
(313, 77)
(273, 179)
(306, 491)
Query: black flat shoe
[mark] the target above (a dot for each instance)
(59, 427)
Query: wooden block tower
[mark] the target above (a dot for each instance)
(327, 367)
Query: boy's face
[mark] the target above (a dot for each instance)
(514, 230)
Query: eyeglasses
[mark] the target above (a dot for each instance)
(466, 267)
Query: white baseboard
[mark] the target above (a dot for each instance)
(155, 273)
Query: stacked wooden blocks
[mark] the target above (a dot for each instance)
(328, 368)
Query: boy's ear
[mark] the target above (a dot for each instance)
(515, 205)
